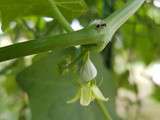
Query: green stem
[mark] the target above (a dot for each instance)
(103, 109)
(89, 35)
(119, 17)
(59, 17)
(86, 37)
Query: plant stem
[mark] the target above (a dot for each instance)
(88, 36)
(103, 109)
(119, 17)
(59, 17)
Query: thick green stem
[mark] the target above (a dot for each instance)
(85, 37)
(89, 35)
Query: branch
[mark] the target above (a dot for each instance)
(88, 36)
(83, 37)
(119, 17)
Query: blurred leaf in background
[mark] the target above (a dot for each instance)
(12, 9)
(53, 89)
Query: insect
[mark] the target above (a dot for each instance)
(99, 25)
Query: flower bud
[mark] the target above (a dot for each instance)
(88, 71)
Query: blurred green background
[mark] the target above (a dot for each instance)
(128, 67)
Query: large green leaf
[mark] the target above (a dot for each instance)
(12, 9)
(49, 90)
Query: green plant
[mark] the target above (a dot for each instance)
(67, 68)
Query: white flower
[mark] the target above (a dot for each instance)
(87, 94)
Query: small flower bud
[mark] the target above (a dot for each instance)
(88, 71)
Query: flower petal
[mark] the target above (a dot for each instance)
(97, 93)
(86, 95)
(75, 98)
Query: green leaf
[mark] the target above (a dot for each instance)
(49, 90)
(12, 9)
